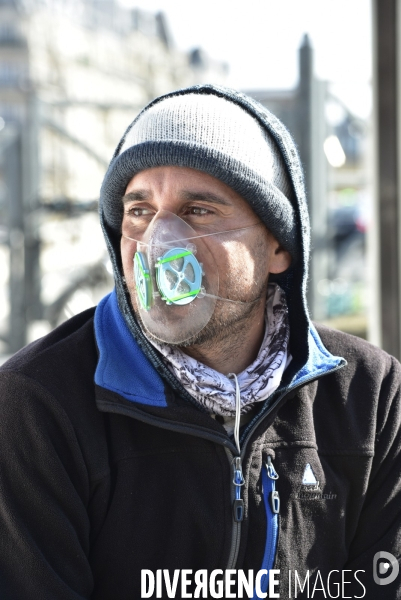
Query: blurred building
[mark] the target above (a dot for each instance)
(73, 74)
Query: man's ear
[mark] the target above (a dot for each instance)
(280, 260)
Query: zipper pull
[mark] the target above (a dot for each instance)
(275, 502)
(271, 471)
(238, 481)
(274, 495)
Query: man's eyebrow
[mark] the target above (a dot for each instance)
(137, 195)
(204, 196)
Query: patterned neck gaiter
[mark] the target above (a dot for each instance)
(215, 391)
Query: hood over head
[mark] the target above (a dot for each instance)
(237, 140)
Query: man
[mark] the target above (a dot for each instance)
(196, 420)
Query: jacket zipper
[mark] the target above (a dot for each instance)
(238, 481)
(237, 506)
(236, 535)
(271, 500)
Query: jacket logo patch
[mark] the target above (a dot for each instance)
(310, 488)
(309, 477)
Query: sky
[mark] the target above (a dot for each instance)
(259, 39)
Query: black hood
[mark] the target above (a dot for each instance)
(293, 281)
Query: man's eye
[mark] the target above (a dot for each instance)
(198, 210)
(137, 211)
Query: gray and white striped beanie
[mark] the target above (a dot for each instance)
(213, 134)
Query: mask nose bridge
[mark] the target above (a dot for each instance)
(170, 227)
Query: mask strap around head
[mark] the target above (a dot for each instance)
(194, 237)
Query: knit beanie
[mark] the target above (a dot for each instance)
(215, 135)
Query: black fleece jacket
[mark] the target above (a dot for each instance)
(93, 489)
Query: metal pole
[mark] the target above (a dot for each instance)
(31, 176)
(318, 199)
(305, 110)
(310, 113)
(13, 174)
(387, 159)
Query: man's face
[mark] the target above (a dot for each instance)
(243, 261)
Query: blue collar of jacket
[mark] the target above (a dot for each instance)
(125, 369)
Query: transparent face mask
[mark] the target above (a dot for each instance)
(176, 277)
